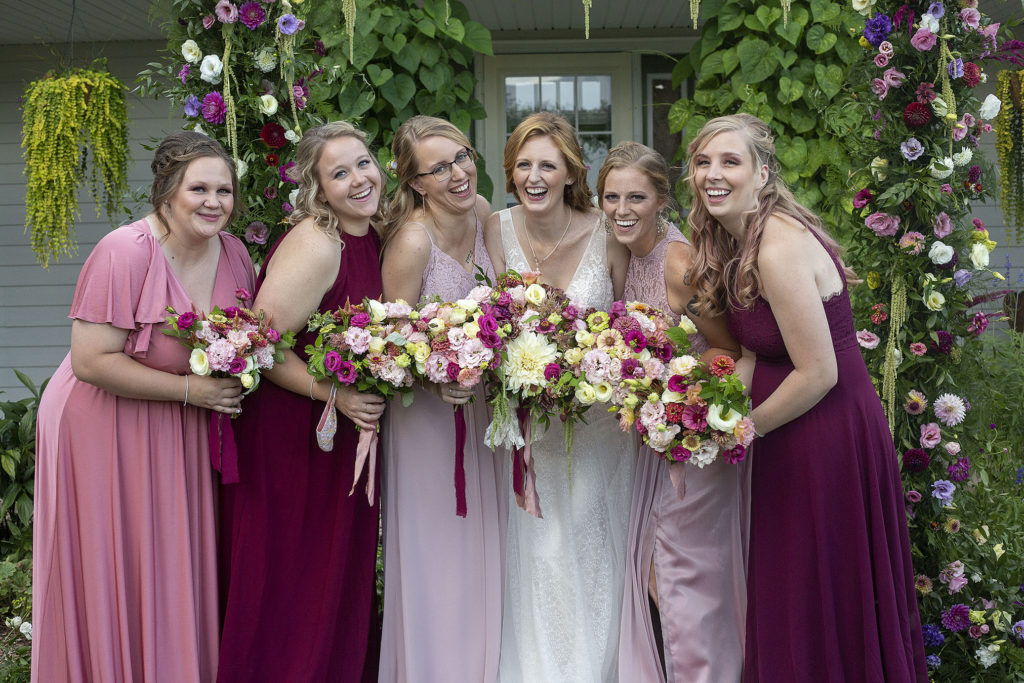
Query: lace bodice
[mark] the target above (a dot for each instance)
(645, 281)
(445, 277)
(591, 285)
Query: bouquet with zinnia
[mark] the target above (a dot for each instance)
(361, 346)
(233, 342)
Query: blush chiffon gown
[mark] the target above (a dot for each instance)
(125, 539)
(299, 552)
(696, 543)
(830, 584)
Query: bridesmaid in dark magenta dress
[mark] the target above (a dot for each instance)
(299, 552)
(830, 583)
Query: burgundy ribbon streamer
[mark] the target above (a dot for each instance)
(223, 451)
(460, 461)
(524, 478)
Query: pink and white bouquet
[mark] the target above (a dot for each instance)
(233, 342)
(361, 346)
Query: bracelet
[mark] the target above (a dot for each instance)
(757, 433)
(312, 381)
(185, 402)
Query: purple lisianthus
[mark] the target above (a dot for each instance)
(1018, 629)
(962, 277)
(936, 10)
(360, 320)
(877, 29)
(237, 366)
(881, 89)
(956, 68)
(231, 312)
(882, 224)
(957, 618)
(453, 370)
(881, 61)
(942, 491)
(863, 198)
(680, 453)
(633, 369)
(287, 208)
(960, 470)
(971, 17)
(932, 636)
(186, 69)
(192, 106)
(912, 149)
(226, 12)
(187, 320)
(552, 371)
(923, 40)
(734, 455)
(273, 336)
(487, 323)
(489, 339)
(942, 225)
(978, 324)
(208, 21)
(570, 312)
(256, 232)
(214, 108)
(282, 171)
(678, 384)
(288, 24)
(252, 15)
(893, 77)
(346, 372)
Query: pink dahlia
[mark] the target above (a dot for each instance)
(214, 108)
(252, 15)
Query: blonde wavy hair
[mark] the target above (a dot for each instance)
(563, 135)
(405, 200)
(724, 271)
(641, 157)
(307, 159)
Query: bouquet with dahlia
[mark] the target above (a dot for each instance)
(361, 346)
(233, 342)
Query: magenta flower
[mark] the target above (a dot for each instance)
(959, 470)
(282, 171)
(635, 340)
(942, 225)
(332, 361)
(978, 324)
(863, 198)
(346, 374)
(489, 339)
(893, 78)
(679, 453)
(360, 320)
(552, 371)
(187, 320)
(957, 618)
(209, 21)
(869, 340)
(251, 14)
(226, 12)
(214, 108)
(270, 192)
(186, 69)
(882, 224)
(915, 460)
(237, 366)
(453, 370)
(243, 294)
(918, 349)
(676, 383)
(257, 232)
(735, 454)
(695, 417)
(925, 93)
(881, 61)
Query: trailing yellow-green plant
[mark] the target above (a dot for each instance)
(66, 119)
(1010, 147)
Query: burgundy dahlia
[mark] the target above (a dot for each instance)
(974, 174)
(273, 135)
(917, 115)
(945, 343)
(915, 460)
(972, 74)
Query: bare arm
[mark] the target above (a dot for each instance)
(492, 240)
(302, 270)
(678, 259)
(786, 263)
(98, 357)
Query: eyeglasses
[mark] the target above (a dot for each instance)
(443, 172)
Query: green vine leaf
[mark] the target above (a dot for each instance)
(394, 44)
(768, 15)
(829, 79)
(477, 38)
(399, 90)
(378, 76)
(730, 17)
(756, 59)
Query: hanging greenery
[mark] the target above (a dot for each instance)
(1009, 137)
(66, 119)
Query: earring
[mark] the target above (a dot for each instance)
(662, 228)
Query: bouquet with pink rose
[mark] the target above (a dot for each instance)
(361, 346)
(233, 342)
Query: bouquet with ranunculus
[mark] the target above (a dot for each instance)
(685, 411)
(455, 342)
(233, 342)
(362, 346)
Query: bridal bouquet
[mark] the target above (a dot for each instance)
(684, 410)
(361, 346)
(233, 342)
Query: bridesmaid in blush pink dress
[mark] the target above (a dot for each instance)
(124, 555)
(686, 548)
(442, 572)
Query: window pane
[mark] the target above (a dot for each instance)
(522, 98)
(595, 103)
(558, 95)
(595, 149)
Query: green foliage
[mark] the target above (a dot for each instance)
(74, 124)
(17, 471)
(405, 58)
(1010, 148)
(788, 74)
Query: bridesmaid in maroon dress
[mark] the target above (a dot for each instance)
(686, 549)
(299, 552)
(830, 583)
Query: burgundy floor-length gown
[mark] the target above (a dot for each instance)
(696, 543)
(830, 584)
(299, 552)
(124, 584)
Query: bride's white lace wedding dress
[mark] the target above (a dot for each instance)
(565, 573)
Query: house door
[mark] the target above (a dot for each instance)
(594, 92)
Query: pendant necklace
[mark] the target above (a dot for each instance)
(529, 241)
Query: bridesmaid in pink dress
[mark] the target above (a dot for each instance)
(299, 550)
(686, 549)
(442, 572)
(124, 555)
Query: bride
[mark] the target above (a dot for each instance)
(563, 573)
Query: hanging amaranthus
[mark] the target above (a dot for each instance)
(348, 10)
(230, 117)
(897, 316)
(1010, 148)
(587, 4)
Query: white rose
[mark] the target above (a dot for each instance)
(535, 294)
(241, 168)
(574, 356)
(989, 108)
(377, 345)
(682, 365)
(604, 391)
(941, 168)
(934, 301)
(863, 6)
(468, 305)
(457, 316)
(669, 396)
(191, 52)
(199, 129)
(585, 393)
(940, 253)
(687, 325)
(291, 136)
(878, 168)
(979, 255)
(435, 325)
(268, 105)
(293, 196)
(472, 329)
(963, 157)
(14, 622)
(211, 68)
(377, 311)
(724, 423)
(199, 363)
(929, 22)
(584, 338)
(247, 380)
(26, 629)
